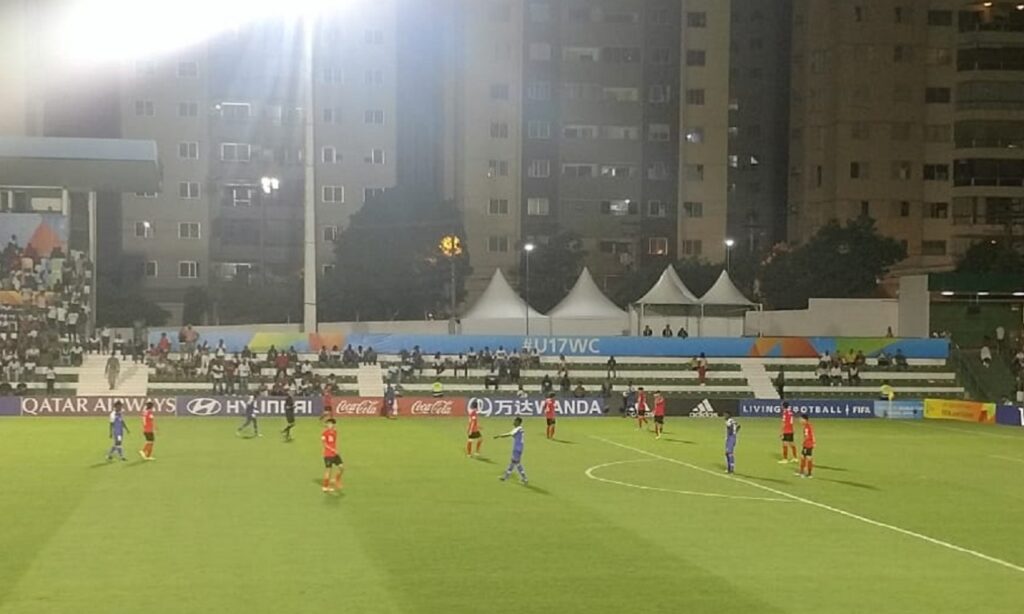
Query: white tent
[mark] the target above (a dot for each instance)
(723, 308)
(669, 290)
(587, 311)
(677, 305)
(724, 292)
(499, 310)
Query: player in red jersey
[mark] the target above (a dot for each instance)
(659, 414)
(331, 457)
(473, 430)
(328, 398)
(148, 431)
(641, 407)
(806, 460)
(549, 414)
(787, 435)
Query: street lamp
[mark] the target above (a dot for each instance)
(729, 243)
(451, 247)
(529, 247)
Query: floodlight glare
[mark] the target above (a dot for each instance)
(529, 247)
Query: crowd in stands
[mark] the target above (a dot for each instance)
(682, 333)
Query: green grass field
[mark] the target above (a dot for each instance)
(220, 524)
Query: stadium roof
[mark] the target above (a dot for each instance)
(586, 301)
(103, 165)
(499, 302)
(724, 292)
(669, 290)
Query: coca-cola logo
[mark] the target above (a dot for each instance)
(438, 407)
(361, 407)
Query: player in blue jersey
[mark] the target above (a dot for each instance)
(732, 428)
(118, 429)
(251, 409)
(517, 434)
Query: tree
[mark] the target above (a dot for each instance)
(698, 275)
(839, 261)
(276, 300)
(119, 299)
(196, 305)
(389, 264)
(632, 286)
(991, 257)
(554, 268)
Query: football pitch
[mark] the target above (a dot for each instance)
(899, 517)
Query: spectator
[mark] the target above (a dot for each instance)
(859, 359)
(683, 333)
(780, 382)
(491, 380)
(546, 385)
(1000, 338)
(900, 361)
(667, 331)
(985, 355)
(437, 389)
(323, 358)
(565, 386)
(105, 346)
(854, 373)
(243, 376)
(612, 371)
(579, 391)
(217, 375)
(462, 363)
(521, 393)
(835, 374)
(884, 360)
(647, 331)
(112, 370)
(821, 372)
(886, 391)
(514, 370)
(51, 379)
(702, 369)
(281, 366)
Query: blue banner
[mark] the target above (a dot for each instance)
(208, 406)
(900, 410)
(1010, 415)
(10, 406)
(823, 408)
(534, 406)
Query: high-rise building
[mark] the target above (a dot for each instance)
(910, 113)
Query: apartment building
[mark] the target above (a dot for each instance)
(911, 113)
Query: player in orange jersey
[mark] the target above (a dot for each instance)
(641, 407)
(806, 455)
(148, 431)
(473, 429)
(787, 434)
(331, 457)
(549, 414)
(659, 415)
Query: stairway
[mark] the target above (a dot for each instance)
(759, 380)
(370, 380)
(92, 382)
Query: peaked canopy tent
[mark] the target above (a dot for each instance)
(671, 301)
(500, 310)
(587, 311)
(723, 308)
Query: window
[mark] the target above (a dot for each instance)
(373, 76)
(581, 54)
(695, 96)
(333, 194)
(938, 133)
(902, 53)
(149, 268)
(499, 130)
(332, 74)
(579, 170)
(331, 115)
(539, 52)
(376, 156)
(903, 208)
(661, 17)
(615, 247)
(695, 172)
(538, 168)
(937, 95)
(692, 247)
(188, 69)
(657, 208)
(619, 55)
(860, 131)
(188, 190)
(235, 152)
(499, 91)
(373, 116)
(657, 171)
(619, 208)
(497, 168)
(188, 150)
(659, 94)
(901, 170)
(900, 131)
(661, 55)
(695, 135)
(330, 234)
(940, 18)
(618, 171)
(327, 269)
(859, 170)
(146, 194)
(657, 246)
(937, 211)
(938, 56)
(693, 209)
(538, 206)
(145, 108)
(539, 90)
(696, 57)
(239, 195)
(143, 230)
(865, 208)
(695, 19)
(933, 248)
(733, 160)
(860, 14)
(497, 206)
(538, 130)
(371, 193)
(578, 131)
(497, 244)
(188, 230)
(235, 110)
(620, 133)
(373, 37)
(936, 172)
(659, 132)
(188, 109)
(540, 12)
(188, 269)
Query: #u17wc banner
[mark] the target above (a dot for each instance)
(963, 411)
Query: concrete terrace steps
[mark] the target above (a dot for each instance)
(759, 380)
(370, 381)
(92, 381)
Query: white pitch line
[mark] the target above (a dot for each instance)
(953, 429)
(590, 474)
(835, 510)
(1007, 458)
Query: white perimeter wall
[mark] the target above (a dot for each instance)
(826, 317)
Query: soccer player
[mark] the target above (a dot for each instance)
(148, 431)
(517, 434)
(473, 430)
(549, 414)
(659, 415)
(251, 409)
(787, 435)
(331, 457)
(732, 428)
(289, 417)
(118, 429)
(328, 397)
(641, 407)
(806, 455)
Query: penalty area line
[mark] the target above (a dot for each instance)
(590, 474)
(826, 507)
